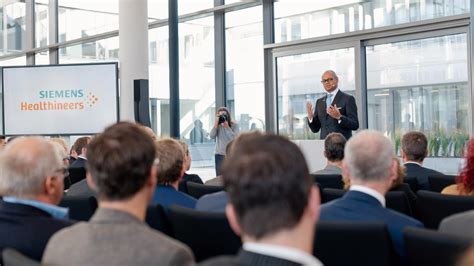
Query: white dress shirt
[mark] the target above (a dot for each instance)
(282, 252)
(372, 192)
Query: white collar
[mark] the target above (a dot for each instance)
(372, 192)
(282, 252)
(412, 162)
(82, 157)
(333, 93)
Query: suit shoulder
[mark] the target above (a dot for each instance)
(221, 260)
(403, 219)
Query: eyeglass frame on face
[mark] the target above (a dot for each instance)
(323, 81)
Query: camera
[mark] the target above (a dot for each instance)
(223, 118)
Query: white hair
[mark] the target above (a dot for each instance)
(24, 165)
(369, 156)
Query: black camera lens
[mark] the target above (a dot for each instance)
(222, 118)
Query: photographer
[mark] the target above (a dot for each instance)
(224, 131)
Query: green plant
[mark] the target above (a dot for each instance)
(397, 141)
(444, 142)
(459, 142)
(433, 145)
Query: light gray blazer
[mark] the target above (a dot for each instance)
(461, 224)
(329, 170)
(114, 238)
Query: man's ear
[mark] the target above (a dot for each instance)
(325, 154)
(53, 189)
(90, 182)
(232, 218)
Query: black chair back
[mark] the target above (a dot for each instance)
(76, 175)
(157, 219)
(395, 200)
(412, 182)
(354, 243)
(438, 183)
(432, 207)
(428, 247)
(329, 181)
(208, 234)
(80, 208)
(12, 257)
(398, 201)
(196, 190)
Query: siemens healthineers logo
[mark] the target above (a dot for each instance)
(69, 99)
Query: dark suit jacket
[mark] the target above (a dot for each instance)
(79, 163)
(421, 173)
(27, 229)
(358, 206)
(167, 196)
(322, 121)
(188, 178)
(411, 196)
(248, 258)
(214, 202)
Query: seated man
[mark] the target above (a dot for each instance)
(273, 208)
(31, 182)
(170, 172)
(460, 224)
(414, 151)
(122, 169)
(334, 144)
(371, 171)
(80, 147)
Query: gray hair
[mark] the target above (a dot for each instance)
(24, 165)
(369, 156)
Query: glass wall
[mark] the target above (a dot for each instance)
(421, 85)
(244, 71)
(12, 29)
(96, 51)
(299, 81)
(300, 19)
(197, 87)
(190, 6)
(42, 22)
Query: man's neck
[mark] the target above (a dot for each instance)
(136, 205)
(377, 186)
(335, 163)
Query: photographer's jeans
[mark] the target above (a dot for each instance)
(218, 160)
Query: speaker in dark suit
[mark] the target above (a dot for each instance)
(335, 112)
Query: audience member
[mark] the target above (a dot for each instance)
(2, 141)
(187, 165)
(465, 181)
(170, 172)
(72, 155)
(334, 152)
(214, 202)
(31, 183)
(122, 167)
(150, 133)
(61, 148)
(80, 147)
(399, 185)
(371, 171)
(273, 208)
(461, 224)
(414, 151)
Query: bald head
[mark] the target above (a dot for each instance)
(369, 157)
(24, 165)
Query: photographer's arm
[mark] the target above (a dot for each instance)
(213, 133)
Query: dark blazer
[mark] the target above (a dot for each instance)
(248, 258)
(421, 173)
(28, 228)
(79, 163)
(167, 196)
(411, 196)
(214, 202)
(358, 206)
(322, 121)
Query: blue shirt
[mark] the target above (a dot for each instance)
(55, 211)
(167, 196)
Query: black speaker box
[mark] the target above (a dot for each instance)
(141, 101)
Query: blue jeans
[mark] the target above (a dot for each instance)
(218, 160)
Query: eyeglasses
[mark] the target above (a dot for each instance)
(327, 80)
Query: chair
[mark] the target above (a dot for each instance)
(208, 234)
(395, 200)
(354, 243)
(412, 182)
(328, 194)
(156, 218)
(428, 247)
(329, 181)
(398, 201)
(432, 207)
(198, 190)
(80, 208)
(12, 257)
(438, 183)
(76, 175)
